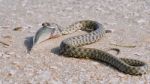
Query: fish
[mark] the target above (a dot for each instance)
(42, 35)
(48, 31)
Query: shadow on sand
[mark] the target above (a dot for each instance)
(28, 43)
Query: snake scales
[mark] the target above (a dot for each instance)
(72, 46)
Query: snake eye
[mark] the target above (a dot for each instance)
(45, 24)
(49, 25)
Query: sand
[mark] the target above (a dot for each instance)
(128, 19)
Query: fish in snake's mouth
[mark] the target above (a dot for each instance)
(48, 31)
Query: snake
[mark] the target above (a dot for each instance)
(72, 47)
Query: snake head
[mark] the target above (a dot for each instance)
(47, 31)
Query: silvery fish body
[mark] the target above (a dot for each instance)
(42, 34)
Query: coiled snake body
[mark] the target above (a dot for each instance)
(72, 46)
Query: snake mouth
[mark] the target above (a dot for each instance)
(54, 36)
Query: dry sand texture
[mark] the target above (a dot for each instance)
(129, 20)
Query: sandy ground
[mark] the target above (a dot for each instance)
(128, 19)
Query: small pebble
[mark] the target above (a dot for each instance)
(7, 37)
(17, 29)
(6, 40)
(108, 31)
(10, 53)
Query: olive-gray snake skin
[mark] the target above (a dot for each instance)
(71, 47)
